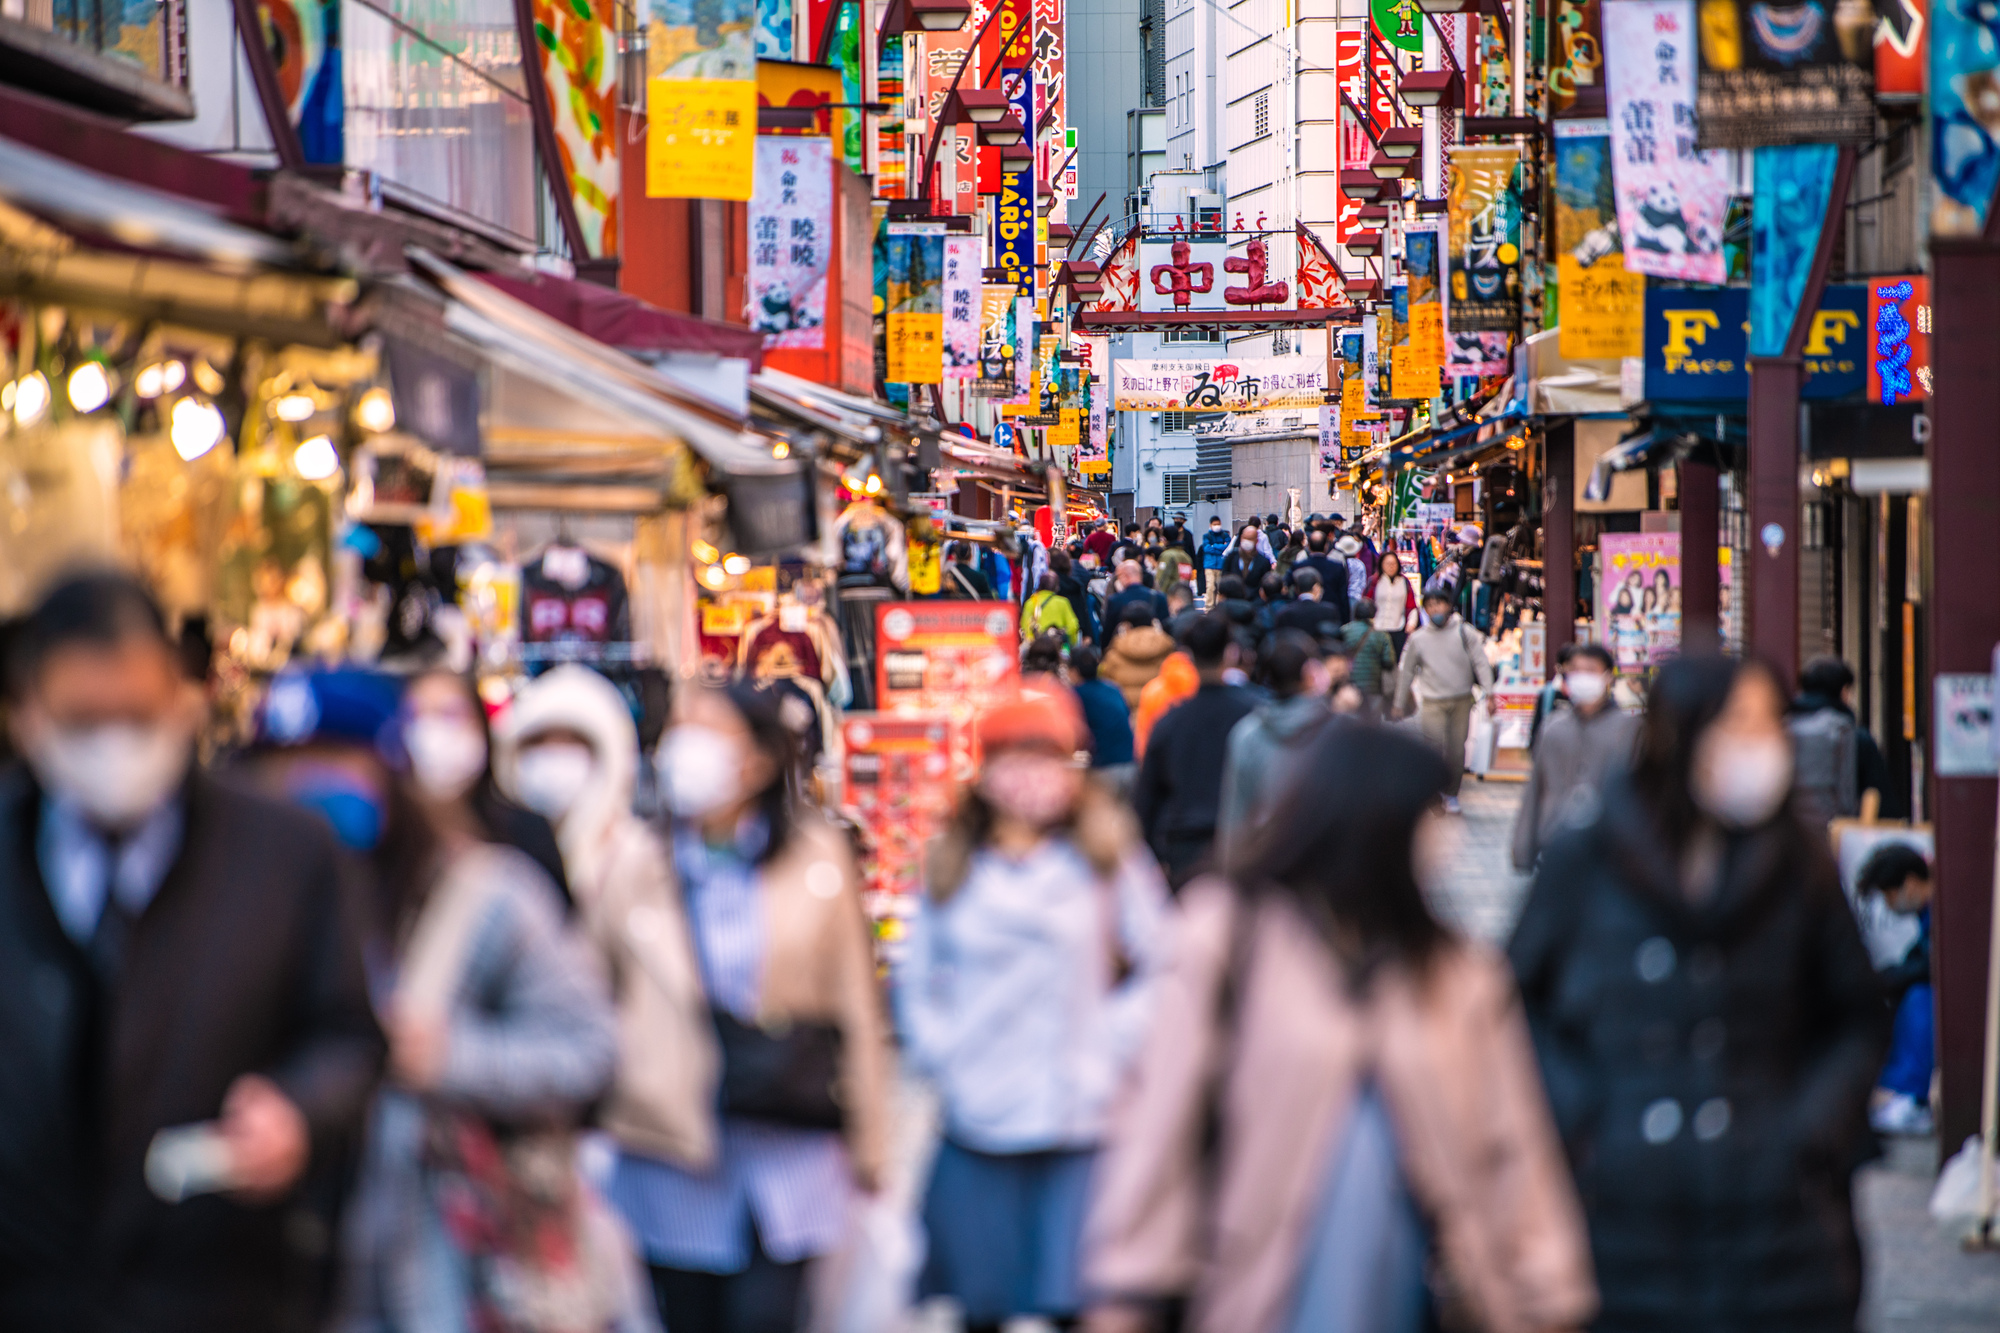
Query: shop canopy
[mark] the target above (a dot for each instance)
(1665, 433)
(76, 237)
(858, 421)
(568, 402)
(102, 207)
(709, 361)
(1563, 386)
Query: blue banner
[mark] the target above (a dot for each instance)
(1964, 157)
(1787, 212)
(1698, 344)
(1014, 217)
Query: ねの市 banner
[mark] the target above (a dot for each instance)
(1250, 384)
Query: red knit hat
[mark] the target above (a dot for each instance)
(1044, 713)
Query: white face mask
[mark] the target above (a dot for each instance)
(701, 770)
(549, 778)
(447, 755)
(116, 774)
(1742, 782)
(1586, 687)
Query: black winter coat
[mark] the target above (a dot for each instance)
(247, 960)
(1709, 1067)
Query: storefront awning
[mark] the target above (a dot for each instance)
(102, 207)
(559, 393)
(783, 388)
(1438, 448)
(1560, 386)
(1663, 435)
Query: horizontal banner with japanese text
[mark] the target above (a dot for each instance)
(1251, 384)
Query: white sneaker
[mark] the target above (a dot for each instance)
(1451, 806)
(1900, 1114)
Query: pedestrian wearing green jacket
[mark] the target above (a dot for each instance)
(1371, 656)
(1048, 609)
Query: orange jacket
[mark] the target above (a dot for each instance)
(1177, 680)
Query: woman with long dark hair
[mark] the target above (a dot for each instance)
(450, 745)
(1708, 1023)
(752, 1101)
(1022, 997)
(1379, 1154)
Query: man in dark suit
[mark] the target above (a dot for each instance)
(172, 952)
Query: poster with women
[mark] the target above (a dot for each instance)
(1639, 597)
(1672, 197)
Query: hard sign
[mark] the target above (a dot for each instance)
(1698, 344)
(1014, 215)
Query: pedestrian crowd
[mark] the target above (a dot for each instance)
(405, 1019)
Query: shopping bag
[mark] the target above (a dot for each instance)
(1480, 738)
(1955, 1198)
(869, 1285)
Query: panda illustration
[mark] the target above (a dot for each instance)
(1662, 226)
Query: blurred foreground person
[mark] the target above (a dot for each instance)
(1023, 998)
(469, 1213)
(1382, 1158)
(450, 748)
(1578, 751)
(753, 1097)
(1708, 1024)
(173, 952)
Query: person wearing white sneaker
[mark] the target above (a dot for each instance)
(1901, 1103)
(1448, 657)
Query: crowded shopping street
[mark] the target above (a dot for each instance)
(747, 666)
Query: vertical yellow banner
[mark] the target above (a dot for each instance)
(1427, 333)
(915, 348)
(1068, 430)
(1410, 378)
(701, 137)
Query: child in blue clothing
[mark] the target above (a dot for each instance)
(1901, 1104)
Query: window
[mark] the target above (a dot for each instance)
(1173, 421)
(1261, 114)
(1187, 336)
(1177, 488)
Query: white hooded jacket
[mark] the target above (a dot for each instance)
(622, 879)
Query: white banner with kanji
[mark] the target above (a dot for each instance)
(791, 240)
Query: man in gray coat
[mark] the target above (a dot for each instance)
(1449, 657)
(1578, 748)
(1265, 748)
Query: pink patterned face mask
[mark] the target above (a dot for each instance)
(1038, 790)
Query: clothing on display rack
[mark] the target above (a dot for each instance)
(569, 596)
(857, 631)
(872, 547)
(796, 641)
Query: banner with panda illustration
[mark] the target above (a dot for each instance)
(791, 241)
(1672, 196)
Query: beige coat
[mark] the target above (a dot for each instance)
(818, 962)
(1452, 1060)
(818, 967)
(1134, 658)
